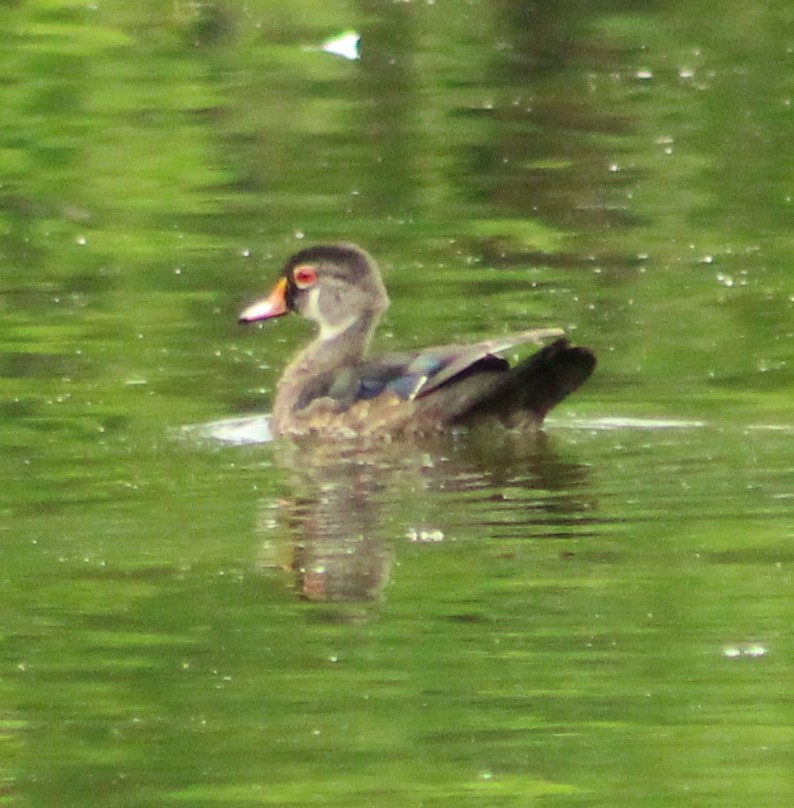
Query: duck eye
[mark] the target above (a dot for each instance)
(305, 276)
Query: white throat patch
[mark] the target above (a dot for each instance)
(327, 330)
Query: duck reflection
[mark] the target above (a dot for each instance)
(349, 507)
(330, 525)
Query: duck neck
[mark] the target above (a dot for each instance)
(340, 346)
(330, 352)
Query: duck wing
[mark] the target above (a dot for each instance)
(435, 367)
(461, 382)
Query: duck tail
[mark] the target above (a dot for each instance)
(536, 385)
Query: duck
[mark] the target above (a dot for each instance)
(333, 389)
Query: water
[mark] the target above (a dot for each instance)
(598, 616)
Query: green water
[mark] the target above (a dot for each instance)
(600, 617)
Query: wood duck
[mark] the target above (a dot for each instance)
(332, 389)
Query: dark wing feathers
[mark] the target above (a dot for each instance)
(458, 359)
(484, 381)
(411, 376)
(535, 385)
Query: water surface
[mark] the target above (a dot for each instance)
(596, 616)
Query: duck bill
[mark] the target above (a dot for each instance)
(274, 305)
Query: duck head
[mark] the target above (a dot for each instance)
(335, 286)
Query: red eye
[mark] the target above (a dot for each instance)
(305, 276)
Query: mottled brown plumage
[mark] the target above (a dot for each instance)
(332, 389)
